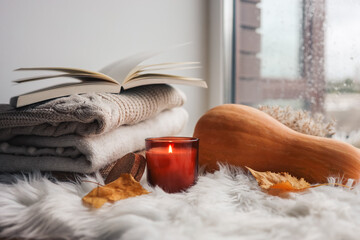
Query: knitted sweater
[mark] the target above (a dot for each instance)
(88, 114)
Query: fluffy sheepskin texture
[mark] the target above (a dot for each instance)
(225, 205)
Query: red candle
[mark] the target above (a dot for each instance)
(172, 162)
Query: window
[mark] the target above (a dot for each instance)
(301, 53)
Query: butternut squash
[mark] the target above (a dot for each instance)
(244, 136)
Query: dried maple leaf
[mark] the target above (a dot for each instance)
(276, 183)
(124, 187)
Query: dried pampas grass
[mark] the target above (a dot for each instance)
(301, 121)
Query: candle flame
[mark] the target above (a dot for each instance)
(170, 149)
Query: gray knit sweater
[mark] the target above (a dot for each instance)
(88, 114)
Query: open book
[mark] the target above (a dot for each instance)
(124, 74)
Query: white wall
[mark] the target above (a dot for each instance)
(90, 34)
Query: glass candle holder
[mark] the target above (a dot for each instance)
(172, 162)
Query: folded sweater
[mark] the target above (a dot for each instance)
(86, 154)
(88, 114)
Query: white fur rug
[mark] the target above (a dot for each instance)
(225, 205)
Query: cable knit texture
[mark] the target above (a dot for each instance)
(88, 114)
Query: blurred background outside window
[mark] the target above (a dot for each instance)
(301, 53)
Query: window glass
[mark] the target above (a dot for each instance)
(308, 61)
(281, 40)
(342, 63)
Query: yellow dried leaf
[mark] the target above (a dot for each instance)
(124, 187)
(279, 182)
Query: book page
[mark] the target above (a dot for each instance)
(155, 69)
(151, 76)
(121, 69)
(73, 85)
(64, 90)
(81, 74)
(60, 69)
(168, 65)
(148, 79)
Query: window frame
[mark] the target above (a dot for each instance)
(220, 52)
(250, 87)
